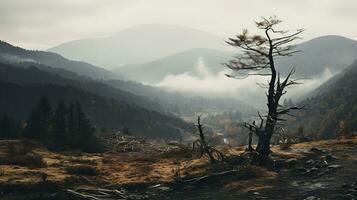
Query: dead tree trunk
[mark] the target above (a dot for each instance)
(250, 138)
(263, 147)
(259, 53)
(205, 146)
(212, 153)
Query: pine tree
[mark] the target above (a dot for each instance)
(38, 124)
(85, 129)
(71, 125)
(65, 128)
(59, 130)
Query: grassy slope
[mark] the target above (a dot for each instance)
(130, 169)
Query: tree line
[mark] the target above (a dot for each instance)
(65, 127)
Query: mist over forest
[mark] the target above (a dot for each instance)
(178, 99)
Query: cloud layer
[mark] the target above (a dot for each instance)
(43, 24)
(205, 83)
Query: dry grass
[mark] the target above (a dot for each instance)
(85, 170)
(134, 168)
(21, 154)
(328, 143)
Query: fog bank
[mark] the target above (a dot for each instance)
(201, 81)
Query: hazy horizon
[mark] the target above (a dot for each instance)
(36, 24)
(165, 28)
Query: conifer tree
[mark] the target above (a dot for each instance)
(84, 129)
(38, 124)
(71, 124)
(59, 130)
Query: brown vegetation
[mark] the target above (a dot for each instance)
(133, 169)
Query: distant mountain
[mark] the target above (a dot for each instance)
(138, 45)
(333, 102)
(21, 88)
(179, 63)
(331, 52)
(12, 54)
(127, 91)
(145, 96)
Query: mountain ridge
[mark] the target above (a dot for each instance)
(178, 63)
(109, 113)
(138, 45)
(323, 53)
(13, 54)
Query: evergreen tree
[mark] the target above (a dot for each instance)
(59, 130)
(71, 125)
(65, 128)
(84, 129)
(38, 124)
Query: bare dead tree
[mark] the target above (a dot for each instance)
(259, 53)
(204, 149)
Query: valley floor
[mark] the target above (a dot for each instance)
(312, 170)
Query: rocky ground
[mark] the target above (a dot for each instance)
(312, 170)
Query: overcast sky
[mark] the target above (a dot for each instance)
(41, 24)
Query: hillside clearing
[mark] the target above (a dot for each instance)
(140, 172)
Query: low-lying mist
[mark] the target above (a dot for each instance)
(8, 58)
(202, 82)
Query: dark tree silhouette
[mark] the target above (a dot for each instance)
(38, 124)
(64, 129)
(71, 129)
(258, 59)
(60, 124)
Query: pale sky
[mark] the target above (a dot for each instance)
(41, 24)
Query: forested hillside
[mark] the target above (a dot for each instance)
(21, 88)
(40, 74)
(181, 103)
(332, 109)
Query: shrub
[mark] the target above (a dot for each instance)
(85, 170)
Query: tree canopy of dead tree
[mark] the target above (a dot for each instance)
(258, 56)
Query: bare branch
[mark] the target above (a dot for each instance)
(259, 53)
